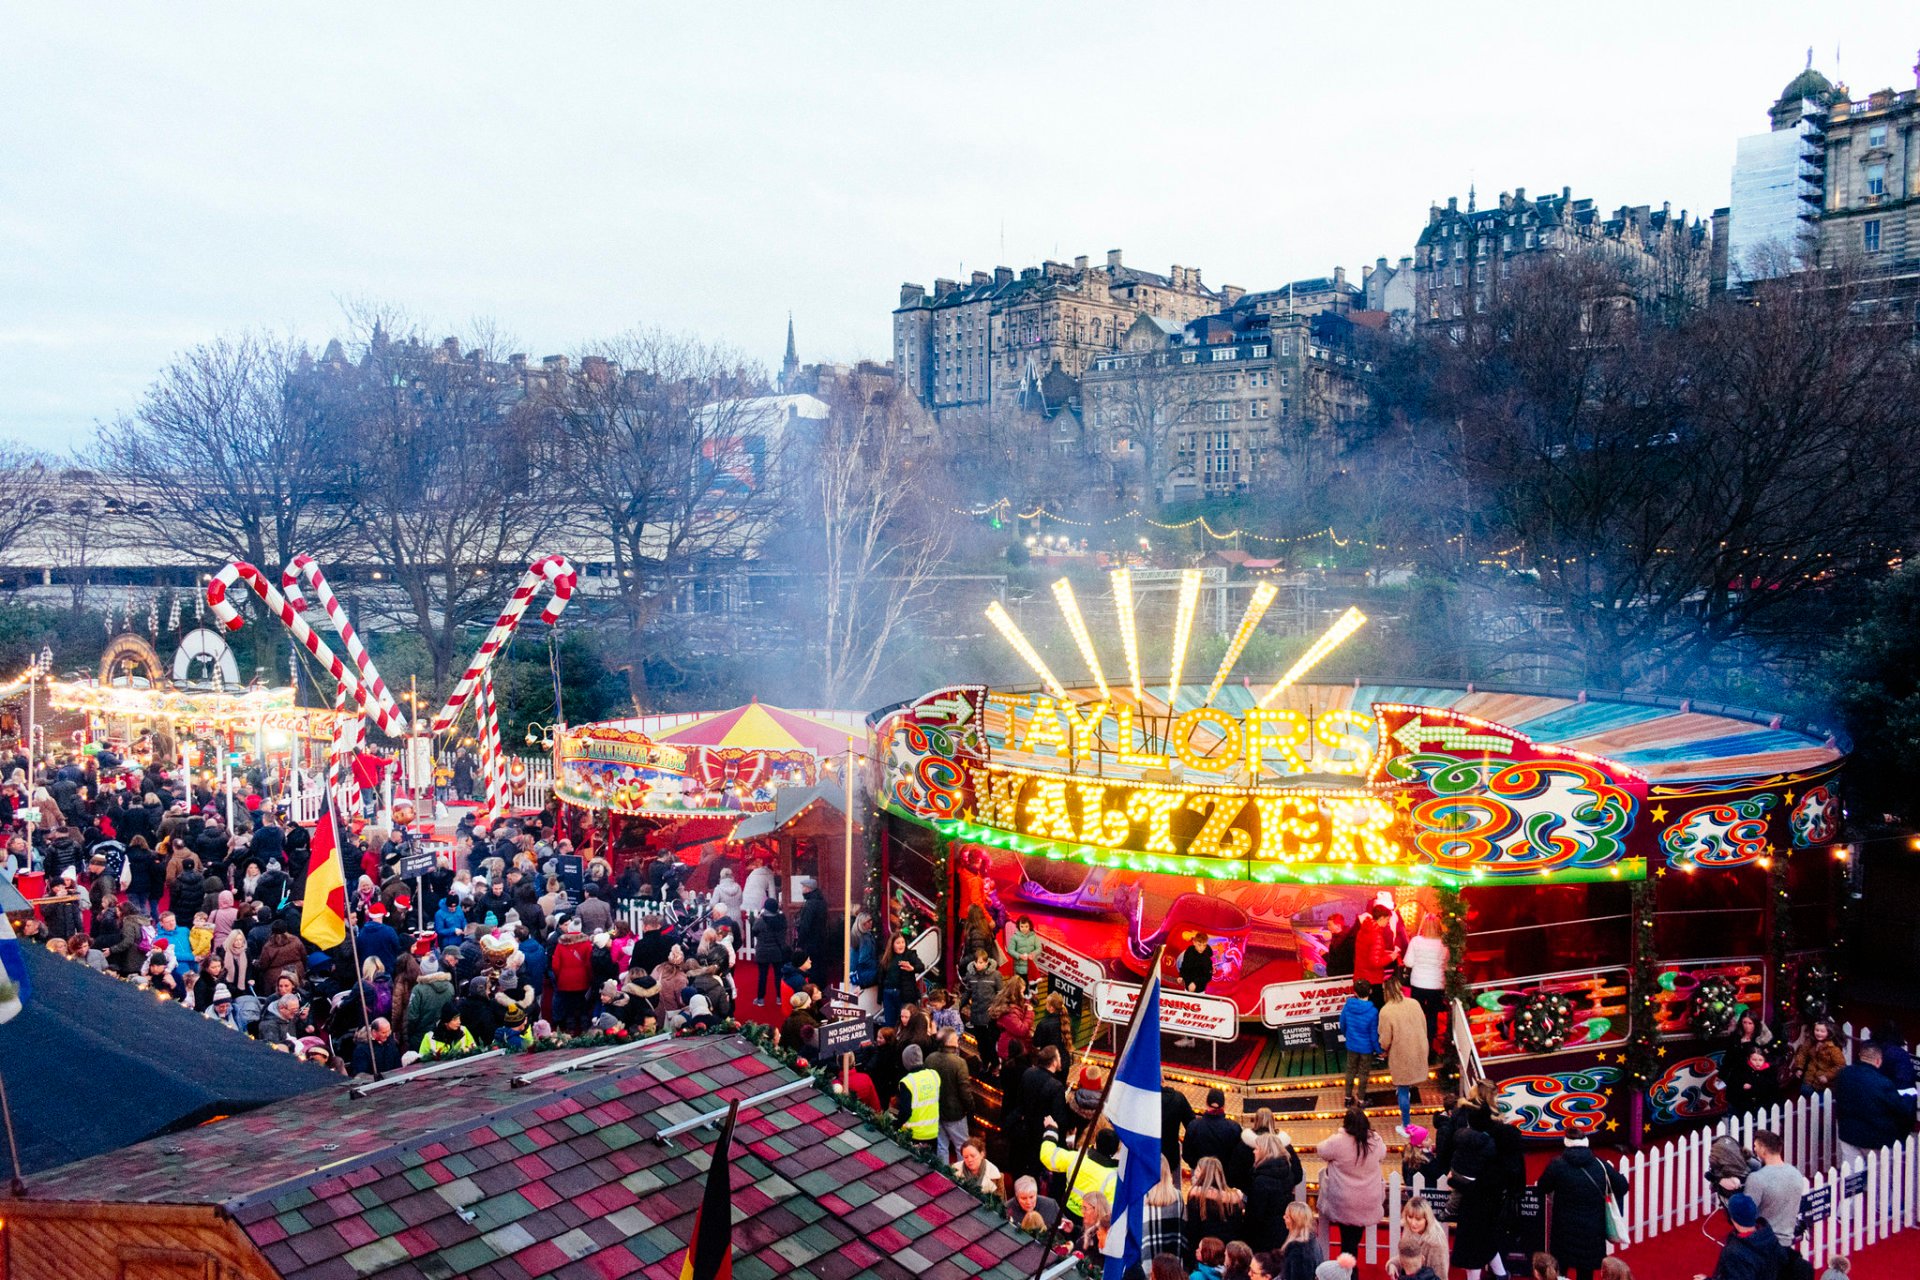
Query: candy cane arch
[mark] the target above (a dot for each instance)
(219, 591)
(557, 572)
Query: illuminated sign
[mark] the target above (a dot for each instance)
(1205, 739)
(1285, 1004)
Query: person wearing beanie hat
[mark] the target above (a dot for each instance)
(916, 1102)
(1580, 1184)
(1340, 1268)
(1752, 1251)
(220, 1007)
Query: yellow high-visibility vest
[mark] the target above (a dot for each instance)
(923, 1091)
(1093, 1176)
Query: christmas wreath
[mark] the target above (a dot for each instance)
(1816, 991)
(1715, 1005)
(1544, 1021)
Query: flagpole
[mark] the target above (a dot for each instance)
(1099, 1112)
(353, 940)
(13, 1145)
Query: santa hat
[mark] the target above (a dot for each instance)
(376, 910)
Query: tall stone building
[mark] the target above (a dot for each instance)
(1465, 258)
(1001, 343)
(1240, 400)
(1835, 180)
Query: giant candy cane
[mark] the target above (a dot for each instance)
(362, 682)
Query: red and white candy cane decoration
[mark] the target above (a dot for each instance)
(303, 566)
(556, 571)
(219, 592)
(362, 682)
(349, 739)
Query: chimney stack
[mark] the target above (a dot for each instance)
(1080, 262)
(1113, 257)
(1003, 275)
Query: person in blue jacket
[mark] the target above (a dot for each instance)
(1360, 1028)
(1868, 1112)
(450, 922)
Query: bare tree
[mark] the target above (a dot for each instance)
(454, 480)
(670, 458)
(1149, 402)
(227, 456)
(27, 481)
(884, 529)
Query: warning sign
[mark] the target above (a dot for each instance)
(1181, 1012)
(1285, 1003)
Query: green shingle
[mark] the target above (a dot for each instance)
(499, 1210)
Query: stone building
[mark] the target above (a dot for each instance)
(1465, 258)
(1002, 342)
(1834, 180)
(1225, 403)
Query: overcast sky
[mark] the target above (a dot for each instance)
(170, 172)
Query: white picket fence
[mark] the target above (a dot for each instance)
(1667, 1183)
(1862, 1203)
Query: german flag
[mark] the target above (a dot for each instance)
(710, 1256)
(323, 912)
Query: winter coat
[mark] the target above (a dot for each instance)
(1403, 1035)
(1360, 1025)
(900, 974)
(1025, 950)
(980, 987)
(1016, 1027)
(1868, 1112)
(189, 896)
(770, 938)
(1749, 1257)
(127, 954)
(1216, 1134)
(759, 888)
(449, 925)
(1269, 1193)
(866, 961)
(1372, 951)
(573, 964)
(1579, 1182)
(1352, 1190)
(1196, 968)
(1816, 1063)
(284, 953)
(430, 997)
(811, 933)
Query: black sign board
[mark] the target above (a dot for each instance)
(1532, 1226)
(1297, 1035)
(416, 864)
(1855, 1184)
(1330, 1034)
(837, 1038)
(1815, 1206)
(1071, 992)
(1440, 1203)
(573, 876)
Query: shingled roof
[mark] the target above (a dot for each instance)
(465, 1174)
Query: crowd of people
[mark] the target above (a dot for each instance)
(146, 882)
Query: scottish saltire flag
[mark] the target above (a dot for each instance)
(1134, 1108)
(14, 986)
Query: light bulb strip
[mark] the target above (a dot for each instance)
(1011, 633)
(1077, 624)
(1256, 609)
(1122, 580)
(1182, 631)
(1345, 625)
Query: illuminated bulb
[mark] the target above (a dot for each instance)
(1182, 631)
(1130, 643)
(1256, 609)
(1077, 625)
(1010, 631)
(1348, 623)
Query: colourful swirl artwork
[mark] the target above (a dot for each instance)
(1815, 818)
(1548, 1106)
(1687, 1090)
(1729, 834)
(1519, 818)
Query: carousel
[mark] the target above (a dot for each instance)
(1615, 880)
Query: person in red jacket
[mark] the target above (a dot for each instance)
(1374, 952)
(572, 978)
(368, 770)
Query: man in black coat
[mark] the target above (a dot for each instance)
(1217, 1134)
(1040, 1097)
(1579, 1183)
(1868, 1111)
(1176, 1113)
(1752, 1251)
(811, 931)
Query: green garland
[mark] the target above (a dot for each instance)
(1643, 981)
(1716, 1004)
(1782, 938)
(1543, 1021)
(1453, 932)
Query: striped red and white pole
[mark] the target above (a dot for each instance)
(304, 566)
(493, 755)
(557, 573)
(239, 572)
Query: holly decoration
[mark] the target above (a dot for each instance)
(1715, 1006)
(1544, 1021)
(1816, 990)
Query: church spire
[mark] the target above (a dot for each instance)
(790, 367)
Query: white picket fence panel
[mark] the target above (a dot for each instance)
(1884, 1189)
(536, 788)
(1667, 1183)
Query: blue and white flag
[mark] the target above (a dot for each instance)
(14, 985)
(1133, 1106)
